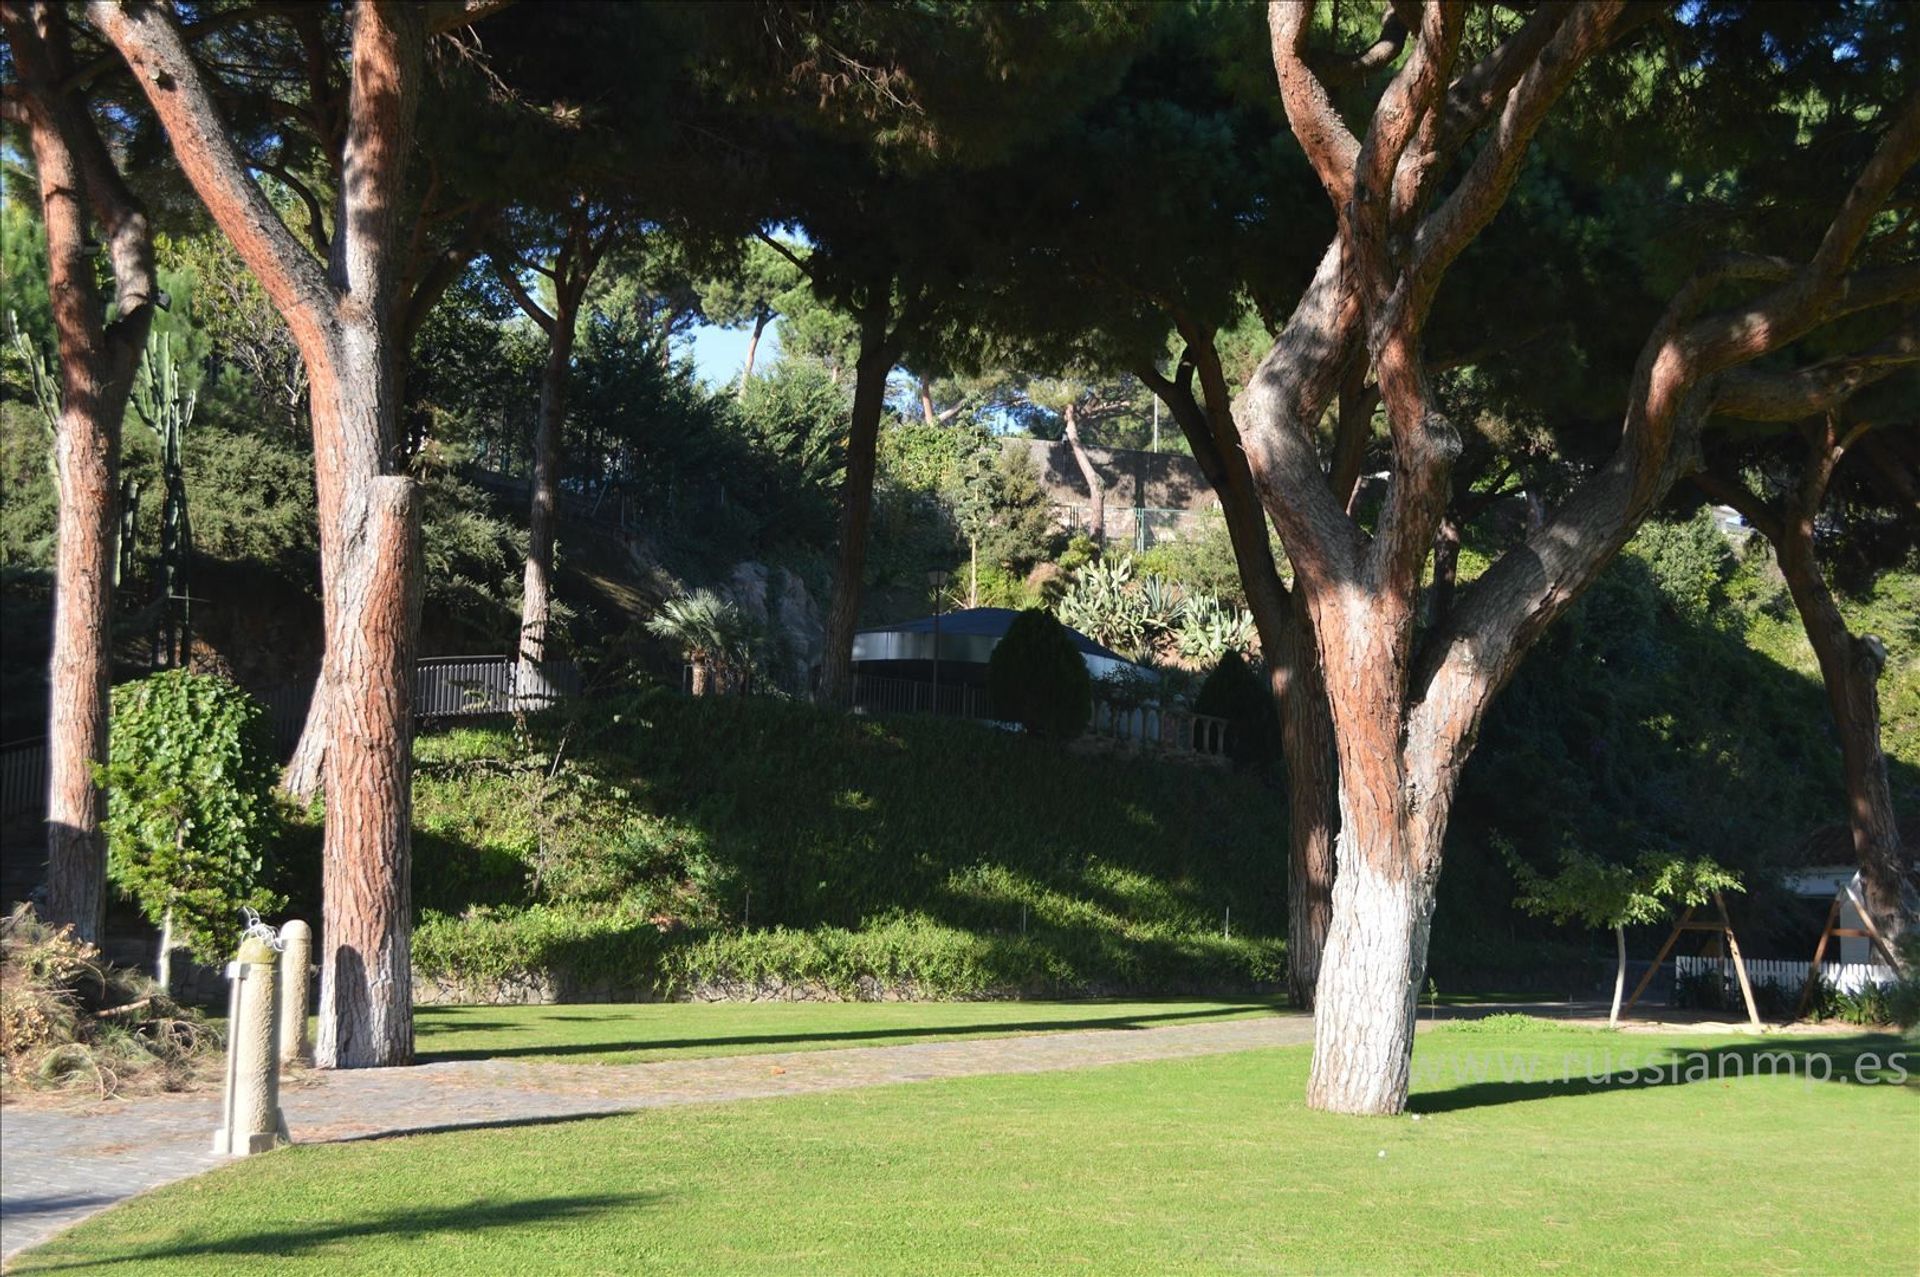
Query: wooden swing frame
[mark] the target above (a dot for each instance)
(1866, 931)
(1723, 926)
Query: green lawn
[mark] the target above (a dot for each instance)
(1207, 1165)
(629, 1033)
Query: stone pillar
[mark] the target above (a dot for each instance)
(252, 1122)
(296, 968)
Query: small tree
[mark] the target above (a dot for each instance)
(1603, 894)
(190, 809)
(1036, 678)
(714, 634)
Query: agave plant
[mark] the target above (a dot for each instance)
(712, 631)
(1208, 630)
(1100, 604)
(1163, 602)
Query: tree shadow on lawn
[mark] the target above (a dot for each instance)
(409, 1224)
(1614, 1062)
(998, 1028)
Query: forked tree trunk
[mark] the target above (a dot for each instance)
(531, 690)
(1096, 491)
(97, 365)
(856, 501)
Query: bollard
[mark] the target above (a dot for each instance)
(296, 958)
(252, 1119)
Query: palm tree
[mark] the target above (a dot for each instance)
(712, 631)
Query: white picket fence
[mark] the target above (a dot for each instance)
(1848, 977)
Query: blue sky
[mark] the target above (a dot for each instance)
(719, 353)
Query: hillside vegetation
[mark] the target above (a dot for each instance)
(653, 845)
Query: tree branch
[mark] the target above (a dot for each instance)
(1322, 134)
(151, 43)
(1791, 396)
(1724, 489)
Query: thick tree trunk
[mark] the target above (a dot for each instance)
(1370, 979)
(702, 677)
(1096, 491)
(97, 365)
(366, 973)
(1850, 666)
(856, 502)
(927, 414)
(531, 690)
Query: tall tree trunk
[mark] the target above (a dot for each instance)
(97, 365)
(856, 500)
(1306, 742)
(927, 413)
(1850, 666)
(1281, 620)
(1446, 570)
(536, 600)
(1096, 491)
(341, 316)
(753, 348)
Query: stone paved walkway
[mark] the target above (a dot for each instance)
(56, 1168)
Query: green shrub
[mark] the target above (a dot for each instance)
(191, 813)
(1235, 692)
(1037, 678)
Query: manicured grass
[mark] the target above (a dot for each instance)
(1205, 1165)
(628, 1033)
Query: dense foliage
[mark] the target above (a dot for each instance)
(191, 810)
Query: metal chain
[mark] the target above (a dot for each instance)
(258, 930)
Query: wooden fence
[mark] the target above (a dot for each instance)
(1848, 977)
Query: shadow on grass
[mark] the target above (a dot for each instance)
(1516, 1075)
(412, 1224)
(776, 1040)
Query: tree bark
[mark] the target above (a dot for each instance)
(366, 980)
(856, 499)
(97, 365)
(1096, 491)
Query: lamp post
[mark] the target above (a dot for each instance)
(937, 578)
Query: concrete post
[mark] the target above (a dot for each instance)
(252, 1120)
(296, 964)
